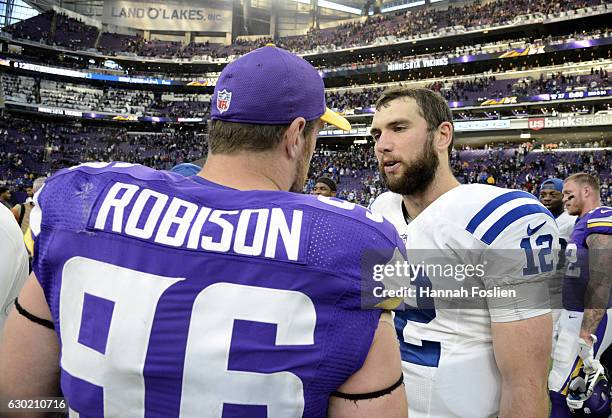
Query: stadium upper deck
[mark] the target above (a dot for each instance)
(54, 29)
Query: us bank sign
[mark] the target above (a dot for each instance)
(187, 16)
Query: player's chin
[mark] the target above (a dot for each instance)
(394, 182)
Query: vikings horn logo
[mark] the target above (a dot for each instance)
(224, 98)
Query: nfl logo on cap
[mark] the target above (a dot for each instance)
(224, 99)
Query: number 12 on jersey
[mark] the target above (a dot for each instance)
(428, 353)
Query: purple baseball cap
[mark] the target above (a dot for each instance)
(271, 86)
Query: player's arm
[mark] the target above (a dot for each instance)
(522, 352)
(15, 209)
(381, 370)
(29, 352)
(521, 323)
(597, 292)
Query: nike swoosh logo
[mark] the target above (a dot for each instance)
(572, 317)
(605, 211)
(531, 231)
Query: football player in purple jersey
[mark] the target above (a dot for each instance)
(584, 330)
(216, 295)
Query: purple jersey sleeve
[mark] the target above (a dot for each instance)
(597, 221)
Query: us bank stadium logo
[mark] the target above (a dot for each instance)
(224, 98)
(536, 124)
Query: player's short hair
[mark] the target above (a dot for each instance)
(38, 183)
(231, 137)
(328, 182)
(432, 107)
(3, 189)
(585, 179)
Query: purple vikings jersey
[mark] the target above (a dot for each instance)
(176, 296)
(597, 221)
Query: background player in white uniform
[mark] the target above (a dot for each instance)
(584, 330)
(464, 362)
(13, 262)
(551, 196)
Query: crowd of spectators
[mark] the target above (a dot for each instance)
(480, 88)
(22, 89)
(520, 167)
(392, 26)
(28, 90)
(29, 149)
(73, 34)
(467, 47)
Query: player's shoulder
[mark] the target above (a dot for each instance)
(599, 221)
(106, 170)
(386, 201)
(10, 233)
(345, 215)
(471, 204)
(491, 213)
(67, 198)
(566, 218)
(601, 213)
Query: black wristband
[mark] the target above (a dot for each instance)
(44, 322)
(371, 395)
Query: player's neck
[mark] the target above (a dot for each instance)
(589, 207)
(558, 212)
(443, 182)
(242, 173)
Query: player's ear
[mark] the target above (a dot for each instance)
(292, 137)
(444, 137)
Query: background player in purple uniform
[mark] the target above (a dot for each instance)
(584, 330)
(217, 295)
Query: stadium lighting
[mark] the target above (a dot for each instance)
(334, 6)
(403, 6)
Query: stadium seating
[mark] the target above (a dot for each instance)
(75, 34)
(39, 148)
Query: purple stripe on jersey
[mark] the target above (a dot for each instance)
(85, 398)
(231, 410)
(95, 323)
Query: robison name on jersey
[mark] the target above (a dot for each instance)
(447, 354)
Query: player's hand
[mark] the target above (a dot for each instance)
(587, 354)
(592, 376)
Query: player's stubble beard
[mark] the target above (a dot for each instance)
(418, 174)
(303, 164)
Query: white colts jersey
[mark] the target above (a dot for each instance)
(447, 353)
(566, 223)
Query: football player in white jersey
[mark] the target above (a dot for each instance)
(463, 361)
(551, 196)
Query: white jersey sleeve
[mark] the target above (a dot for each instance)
(13, 262)
(522, 239)
(566, 223)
